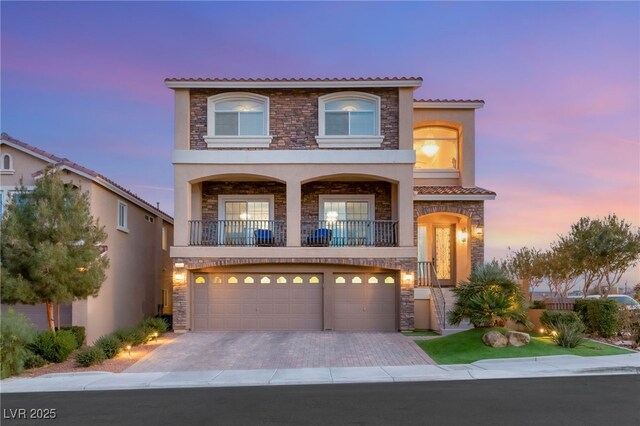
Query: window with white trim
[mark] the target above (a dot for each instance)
(436, 148)
(122, 223)
(6, 165)
(348, 217)
(241, 215)
(349, 119)
(238, 119)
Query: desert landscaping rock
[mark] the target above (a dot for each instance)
(517, 338)
(495, 339)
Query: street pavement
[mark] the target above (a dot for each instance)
(549, 366)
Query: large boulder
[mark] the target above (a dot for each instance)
(517, 338)
(495, 339)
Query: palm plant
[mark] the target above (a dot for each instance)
(489, 298)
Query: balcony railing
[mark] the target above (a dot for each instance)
(260, 233)
(350, 233)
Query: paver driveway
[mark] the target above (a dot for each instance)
(229, 350)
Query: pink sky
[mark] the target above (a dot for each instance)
(559, 137)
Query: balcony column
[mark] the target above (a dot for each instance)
(405, 209)
(182, 212)
(294, 212)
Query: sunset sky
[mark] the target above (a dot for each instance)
(559, 137)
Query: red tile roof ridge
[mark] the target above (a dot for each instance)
(448, 100)
(295, 79)
(451, 190)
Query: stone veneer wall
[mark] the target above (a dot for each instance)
(293, 115)
(211, 190)
(406, 309)
(474, 210)
(312, 190)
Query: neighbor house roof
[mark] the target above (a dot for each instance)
(177, 83)
(66, 164)
(445, 192)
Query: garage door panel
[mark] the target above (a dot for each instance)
(365, 303)
(262, 305)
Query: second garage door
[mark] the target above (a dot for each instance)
(365, 302)
(257, 301)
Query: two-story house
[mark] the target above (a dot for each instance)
(320, 204)
(138, 281)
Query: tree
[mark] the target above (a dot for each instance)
(558, 269)
(525, 265)
(603, 250)
(488, 299)
(49, 246)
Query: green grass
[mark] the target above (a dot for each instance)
(467, 347)
(420, 333)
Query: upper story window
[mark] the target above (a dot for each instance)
(238, 119)
(436, 148)
(349, 120)
(122, 223)
(6, 164)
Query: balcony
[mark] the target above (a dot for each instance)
(349, 233)
(243, 233)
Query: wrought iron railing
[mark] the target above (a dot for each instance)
(427, 277)
(262, 233)
(349, 233)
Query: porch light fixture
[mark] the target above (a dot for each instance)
(463, 235)
(407, 279)
(479, 230)
(179, 277)
(430, 149)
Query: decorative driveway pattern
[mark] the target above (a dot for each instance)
(226, 350)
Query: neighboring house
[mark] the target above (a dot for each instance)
(138, 239)
(321, 204)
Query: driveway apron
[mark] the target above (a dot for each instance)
(226, 350)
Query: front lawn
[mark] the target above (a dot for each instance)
(467, 347)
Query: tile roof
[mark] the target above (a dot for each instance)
(62, 162)
(451, 190)
(290, 80)
(450, 100)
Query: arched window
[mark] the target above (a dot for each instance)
(349, 119)
(281, 280)
(248, 280)
(340, 280)
(436, 148)
(314, 280)
(7, 163)
(373, 280)
(298, 280)
(238, 119)
(200, 280)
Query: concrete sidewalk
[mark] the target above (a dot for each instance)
(551, 366)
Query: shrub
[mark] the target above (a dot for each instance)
(603, 316)
(629, 325)
(156, 324)
(552, 319)
(580, 308)
(54, 347)
(110, 345)
(15, 335)
(133, 336)
(89, 355)
(489, 298)
(34, 361)
(78, 332)
(568, 334)
(537, 304)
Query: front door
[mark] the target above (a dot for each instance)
(444, 248)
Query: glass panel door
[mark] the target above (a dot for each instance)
(348, 221)
(242, 218)
(444, 253)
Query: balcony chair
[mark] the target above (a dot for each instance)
(320, 238)
(263, 237)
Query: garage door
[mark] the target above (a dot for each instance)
(365, 302)
(257, 302)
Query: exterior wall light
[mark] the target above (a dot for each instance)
(479, 230)
(407, 279)
(179, 277)
(463, 235)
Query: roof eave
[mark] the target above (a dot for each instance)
(177, 84)
(448, 105)
(453, 197)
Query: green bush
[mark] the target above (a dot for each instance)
(78, 332)
(110, 345)
(629, 325)
(537, 304)
(568, 334)
(89, 355)
(16, 333)
(54, 347)
(34, 361)
(580, 308)
(133, 336)
(489, 298)
(552, 319)
(603, 316)
(156, 324)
